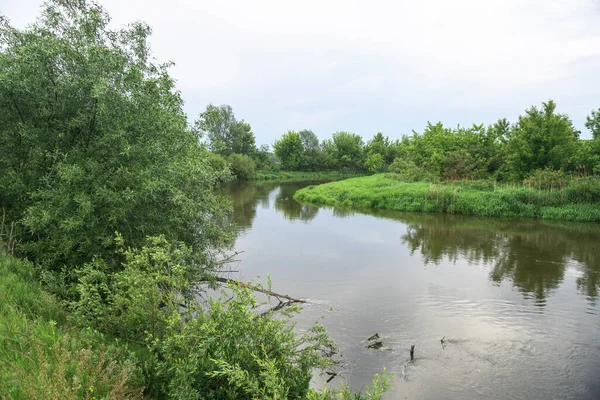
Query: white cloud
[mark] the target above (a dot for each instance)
(371, 66)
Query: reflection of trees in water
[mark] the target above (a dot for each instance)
(246, 197)
(290, 208)
(533, 255)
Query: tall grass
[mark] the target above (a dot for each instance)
(579, 200)
(42, 357)
(288, 176)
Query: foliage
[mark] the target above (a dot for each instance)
(95, 140)
(289, 150)
(374, 163)
(225, 134)
(541, 139)
(288, 176)
(592, 122)
(459, 165)
(407, 170)
(379, 145)
(42, 357)
(347, 150)
(242, 166)
(310, 141)
(578, 200)
(219, 164)
(381, 383)
(546, 179)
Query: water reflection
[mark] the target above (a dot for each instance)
(291, 209)
(532, 255)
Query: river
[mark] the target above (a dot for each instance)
(515, 301)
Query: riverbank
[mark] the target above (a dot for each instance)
(296, 176)
(579, 201)
(43, 356)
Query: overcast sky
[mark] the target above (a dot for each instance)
(369, 66)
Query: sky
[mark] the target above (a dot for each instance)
(370, 66)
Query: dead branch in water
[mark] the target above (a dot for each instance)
(261, 290)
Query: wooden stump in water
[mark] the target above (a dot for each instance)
(412, 352)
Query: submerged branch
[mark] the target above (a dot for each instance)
(261, 290)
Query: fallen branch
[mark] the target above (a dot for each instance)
(261, 290)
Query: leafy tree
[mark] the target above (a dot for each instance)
(310, 141)
(593, 124)
(541, 139)
(374, 163)
(289, 150)
(347, 149)
(378, 145)
(225, 134)
(95, 140)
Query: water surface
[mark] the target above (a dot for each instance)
(516, 301)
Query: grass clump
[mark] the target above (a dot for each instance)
(577, 200)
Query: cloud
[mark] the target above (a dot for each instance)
(379, 66)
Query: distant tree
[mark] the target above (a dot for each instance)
(593, 123)
(374, 163)
(348, 149)
(541, 139)
(224, 133)
(242, 139)
(378, 145)
(310, 141)
(289, 150)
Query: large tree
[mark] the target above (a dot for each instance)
(289, 150)
(541, 139)
(224, 133)
(94, 140)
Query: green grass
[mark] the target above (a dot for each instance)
(290, 176)
(43, 357)
(579, 201)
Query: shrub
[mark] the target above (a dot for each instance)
(408, 171)
(374, 163)
(242, 166)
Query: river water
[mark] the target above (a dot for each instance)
(516, 301)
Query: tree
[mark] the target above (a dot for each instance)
(348, 149)
(379, 145)
(94, 140)
(310, 141)
(374, 163)
(541, 139)
(289, 150)
(224, 133)
(593, 124)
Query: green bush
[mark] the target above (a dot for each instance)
(242, 166)
(374, 163)
(408, 171)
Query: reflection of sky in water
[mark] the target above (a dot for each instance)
(515, 299)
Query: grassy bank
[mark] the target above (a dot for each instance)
(43, 357)
(578, 201)
(290, 176)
